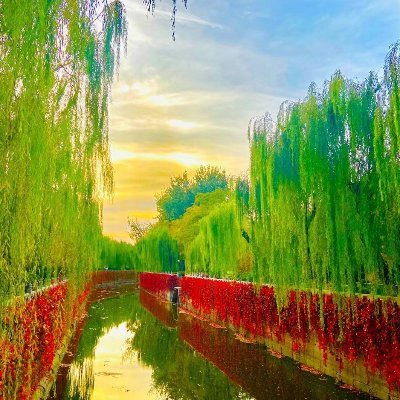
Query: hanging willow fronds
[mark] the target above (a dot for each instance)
(56, 69)
(325, 187)
(151, 5)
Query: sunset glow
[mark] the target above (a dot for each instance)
(178, 105)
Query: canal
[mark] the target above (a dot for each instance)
(134, 346)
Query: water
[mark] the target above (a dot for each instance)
(135, 347)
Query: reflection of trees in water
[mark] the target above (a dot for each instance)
(80, 381)
(250, 366)
(178, 372)
(103, 316)
(164, 311)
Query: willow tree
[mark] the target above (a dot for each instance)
(57, 61)
(157, 251)
(325, 184)
(219, 249)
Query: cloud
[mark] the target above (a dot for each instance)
(179, 104)
(137, 182)
(164, 12)
(121, 154)
(179, 124)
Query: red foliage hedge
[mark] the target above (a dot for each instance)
(31, 339)
(105, 276)
(37, 330)
(158, 284)
(349, 329)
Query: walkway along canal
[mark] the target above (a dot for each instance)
(135, 345)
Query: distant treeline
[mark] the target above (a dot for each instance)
(198, 228)
(116, 255)
(320, 208)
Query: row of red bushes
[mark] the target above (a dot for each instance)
(105, 276)
(36, 329)
(159, 284)
(32, 335)
(35, 332)
(348, 328)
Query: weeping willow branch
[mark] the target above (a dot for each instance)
(325, 185)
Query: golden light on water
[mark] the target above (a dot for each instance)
(116, 375)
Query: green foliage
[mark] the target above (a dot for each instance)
(242, 197)
(208, 179)
(57, 63)
(116, 255)
(157, 251)
(324, 190)
(181, 193)
(206, 238)
(186, 228)
(173, 203)
(219, 249)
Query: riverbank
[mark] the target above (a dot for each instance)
(36, 339)
(136, 345)
(355, 340)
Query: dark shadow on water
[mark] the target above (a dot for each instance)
(188, 358)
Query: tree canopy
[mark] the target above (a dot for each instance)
(116, 255)
(58, 60)
(320, 209)
(180, 195)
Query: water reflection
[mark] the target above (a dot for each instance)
(134, 346)
(250, 366)
(165, 312)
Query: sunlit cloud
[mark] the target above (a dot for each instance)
(186, 159)
(160, 100)
(177, 123)
(179, 105)
(120, 154)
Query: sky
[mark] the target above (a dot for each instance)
(180, 104)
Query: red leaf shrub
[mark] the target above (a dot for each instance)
(348, 328)
(32, 337)
(158, 283)
(105, 276)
